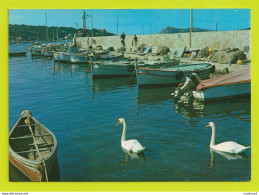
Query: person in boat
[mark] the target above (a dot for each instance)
(135, 40)
(123, 36)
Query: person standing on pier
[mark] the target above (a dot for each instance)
(123, 36)
(135, 40)
(87, 39)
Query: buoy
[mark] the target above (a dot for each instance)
(239, 61)
(210, 51)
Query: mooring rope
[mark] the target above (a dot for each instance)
(135, 69)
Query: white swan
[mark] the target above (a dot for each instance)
(129, 145)
(229, 147)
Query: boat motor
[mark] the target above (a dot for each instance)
(189, 85)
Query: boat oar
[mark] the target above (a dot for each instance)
(27, 122)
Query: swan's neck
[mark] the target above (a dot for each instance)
(212, 141)
(123, 137)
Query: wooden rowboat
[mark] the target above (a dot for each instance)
(172, 75)
(32, 148)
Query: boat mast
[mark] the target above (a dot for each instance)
(47, 38)
(117, 25)
(53, 34)
(92, 25)
(57, 31)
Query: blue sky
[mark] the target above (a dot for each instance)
(135, 21)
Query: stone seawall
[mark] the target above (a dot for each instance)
(216, 40)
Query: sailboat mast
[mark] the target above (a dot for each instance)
(47, 40)
(92, 24)
(57, 31)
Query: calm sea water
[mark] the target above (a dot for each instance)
(82, 112)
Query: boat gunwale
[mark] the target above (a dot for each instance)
(21, 158)
(209, 65)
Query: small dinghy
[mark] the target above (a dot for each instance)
(32, 148)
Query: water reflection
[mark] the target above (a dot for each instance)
(226, 155)
(109, 84)
(133, 155)
(194, 109)
(147, 96)
(189, 109)
(59, 66)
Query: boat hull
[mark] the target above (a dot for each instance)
(48, 54)
(22, 152)
(64, 57)
(125, 68)
(16, 54)
(110, 57)
(61, 57)
(147, 76)
(35, 52)
(79, 58)
(112, 69)
(223, 91)
(56, 57)
(29, 170)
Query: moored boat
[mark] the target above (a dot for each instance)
(35, 49)
(35, 52)
(64, 56)
(16, 54)
(112, 68)
(48, 53)
(237, 83)
(125, 67)
(61, 56)
(32, 148)
(81, 56)
(110, 57)
(56, 57)
(172, 75)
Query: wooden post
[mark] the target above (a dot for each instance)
(191, 13)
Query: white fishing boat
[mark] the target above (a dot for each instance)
(35, 49)
(64, 56)
(125, 67)
(48, 53)
(35, 52)
(56, 57)
(172, 75)
(61, 56)
(237, 83)
(112, 68)
(106, 57)
(81, 57)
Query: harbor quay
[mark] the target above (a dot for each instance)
(215, 40)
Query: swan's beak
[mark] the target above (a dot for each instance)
(118, 123)
(207, 125)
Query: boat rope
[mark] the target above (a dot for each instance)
(27, 122)
(133, 71)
